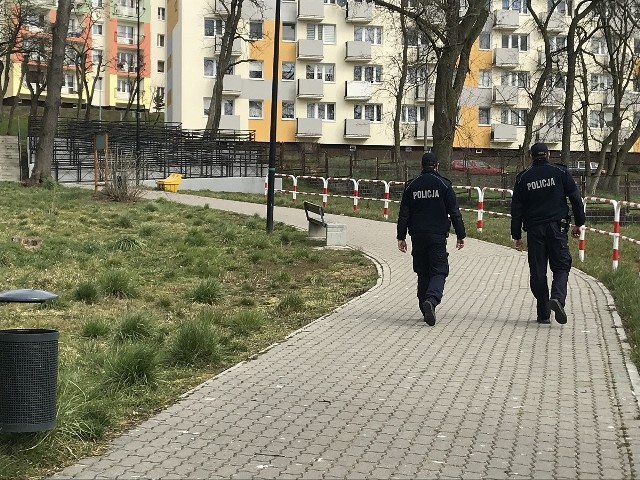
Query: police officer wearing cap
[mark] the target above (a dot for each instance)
(539, 206)
(427, 203)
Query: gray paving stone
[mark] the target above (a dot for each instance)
(369, 391)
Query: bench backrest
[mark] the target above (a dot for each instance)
(315, 209)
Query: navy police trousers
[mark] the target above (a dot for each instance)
(431, 264)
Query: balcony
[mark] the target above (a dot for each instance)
(557, 23)
(506, 19)
(420, 92)
(232, 85)
(506, 57)
(220, 8)
(358, 52)
(426, 54)
(68, 91)
(559, 59)
(357, 128)
(549, 134)
(503, 133)
(310, 49)
(552, 97)
(310, 88)
(310, 10)
(357, 90)
(505, 95)
(309, 127)
(127, 12)
(236, 48)
(420, 130)
(359, 11)
(121, 95)
(126, 67)
(229, 122)
(126, 40)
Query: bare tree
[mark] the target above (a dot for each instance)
(226, 33)
(452, 31)
(44, 150)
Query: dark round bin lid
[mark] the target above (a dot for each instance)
(26, 295)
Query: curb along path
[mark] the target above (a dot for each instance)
(370, 391)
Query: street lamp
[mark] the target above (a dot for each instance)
(138, 92)
(274, 111)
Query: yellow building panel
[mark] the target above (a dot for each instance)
(469, 134)
(262, 126)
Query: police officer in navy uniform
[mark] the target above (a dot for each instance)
(427, 203)
(539, 206)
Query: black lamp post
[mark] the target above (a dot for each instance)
(138, 92)
(274, 114)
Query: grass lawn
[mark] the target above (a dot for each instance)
(155, 297)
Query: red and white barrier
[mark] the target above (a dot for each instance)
(616, 226)
(385, 210)
(325, 186)
(355, 190)
(480, 209)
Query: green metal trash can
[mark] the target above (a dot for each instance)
(28, 371)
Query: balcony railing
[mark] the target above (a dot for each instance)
(357, 90)
(358, 51)
(503, 133)
(310, 49)
(505, 95)
(506, 19)
(229, 122)
(419, 132)
(420, 93)
(309, 127)
(232, 85)
(359, 11)
(310, 88)
(506, 57)
(122, 11)
(357, 128)
(310, 10)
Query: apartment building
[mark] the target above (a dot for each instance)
(337, 65)
(111, 34)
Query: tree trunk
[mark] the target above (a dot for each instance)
(399, 96)
(44, 150)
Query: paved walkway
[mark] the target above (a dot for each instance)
(370, 391)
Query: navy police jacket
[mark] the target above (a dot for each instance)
(540, 196)
(427, 203)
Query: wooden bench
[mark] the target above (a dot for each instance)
(171, 183)
(334, 234)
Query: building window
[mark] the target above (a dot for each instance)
(213, 27)
(255, 69)
(321, 71)
(369, 111)
(598, 46)
(368, 34)
(161, 66)
(96, 28)
(288, 32)
(518, 5)
(555, 117)
(559, 42)
(521, 42)
(255, 30)
(227, 107)
(514, 116)
(600, 119)
(484, 116)
(162, 12)
(556, 80)
(367, 73)
(123, 86)
(515, 79)
(411, 114)
(255, 108)
(484, 41)
(288, 71)
(324, 111)
(96, 3)
(288, 110)
(601, 82)
(484, 78)
(96, 57)
(210, 66)
(636, 46)
(206, 103)
(160, 40)
(326, 33)
(563, 7)
(125, 34)
(333, 2)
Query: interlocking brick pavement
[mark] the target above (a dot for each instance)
(370, 391)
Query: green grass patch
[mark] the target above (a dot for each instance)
(154, 298)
